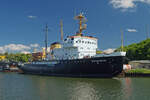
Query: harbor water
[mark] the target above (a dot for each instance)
(15, 86)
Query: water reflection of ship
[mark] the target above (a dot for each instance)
(56, 88)
(128, 88)
(103, 89)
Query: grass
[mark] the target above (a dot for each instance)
(139, 71)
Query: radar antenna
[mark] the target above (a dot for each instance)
(82, 20)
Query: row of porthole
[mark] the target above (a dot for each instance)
(86, 42)
(79, 41)
(85, 62)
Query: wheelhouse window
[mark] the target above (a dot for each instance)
(72, 39)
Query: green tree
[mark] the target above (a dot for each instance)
(18, 57)
(138, 51)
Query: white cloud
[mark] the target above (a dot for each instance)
(17, 48)
(127, 4)
(122, 3)
(32, 17)
(108, 51)
(34, 45)
(131, 30)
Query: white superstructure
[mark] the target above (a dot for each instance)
(76, 47)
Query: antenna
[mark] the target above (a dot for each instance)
(61, 29)
(81, 19)
(121, 40)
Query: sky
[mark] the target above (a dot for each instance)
(22, 22)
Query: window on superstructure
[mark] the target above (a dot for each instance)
(79, 41)
(82, 41)
(72, 38)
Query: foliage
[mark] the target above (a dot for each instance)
(139, 71)
(17, 57)
(138, 51)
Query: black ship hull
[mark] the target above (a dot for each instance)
(91, 67)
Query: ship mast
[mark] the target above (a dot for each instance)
(121, 40)
(81, 19)
(46, 40)
(61, 29)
